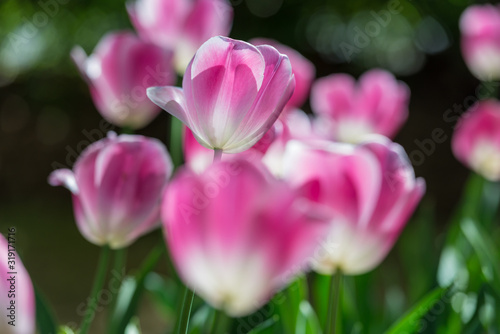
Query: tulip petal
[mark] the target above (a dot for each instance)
(23, 294)
(170, 99)
(64, 177)
(276, 90)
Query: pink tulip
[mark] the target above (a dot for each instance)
(480, 27)
(476, 141)
(369, 190)
(181, 25)
(232, 93)
(236, 234)
(378, 104)
(118, 73)
(21, 297)
(303, 70)
(117, 184)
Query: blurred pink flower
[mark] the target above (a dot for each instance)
(118, 73)
(378, 104)
(294, 125)
(303, 70)
(117, 184)
(23, 319)
(269, 149)
(237, 235)
(370, 191)
(198, 157)
(480, 27)
(476, 141)
(181, 25)
(232, 93)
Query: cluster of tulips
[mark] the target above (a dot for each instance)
(266, 192)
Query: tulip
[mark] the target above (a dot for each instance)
(476, 141)
(236, 234)
(480, 28)
(303, 71)
(231, 94)
(378, 104)
(118, 73)
(116, 185)
(22, 320)
(181, 25)
(369, 190)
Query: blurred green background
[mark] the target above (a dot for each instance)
(45, 109)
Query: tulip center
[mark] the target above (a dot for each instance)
(486, 63)
(352, 131)
(486, 161)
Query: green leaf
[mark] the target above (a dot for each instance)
(288, 302)
(266, 327)
(163, 290)
(409, 323)
(320, 293)
(44, 317)
(485, 250)
(133, 327)
(65, 330)
(200, 320)
(307, 321)
(130, 293)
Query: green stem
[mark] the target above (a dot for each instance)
(219, 326)
(119, 264)
(187, 303)
(126, 130)
(217, 155)
(120, 261)
(175, 141)
(472, 196)
(333, 304)
(96, 289)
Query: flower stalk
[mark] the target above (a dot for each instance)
(96, 288)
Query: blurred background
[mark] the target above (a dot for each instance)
(47, 117)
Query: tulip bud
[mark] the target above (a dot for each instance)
(118, 73)
(116, 185)
(476, 141)
(231, 95)
(236, 234)
(370, 191)
(480, 27)
(378, 104)
(181, 25)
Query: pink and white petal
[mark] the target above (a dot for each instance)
(303, 71)
(64, 177)
(276, 90)
(196, 156)
(131, 175)
(333, 96)
(382, 101)
(182, 218)
(208, 18)
(172, 100)
(25, 322)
